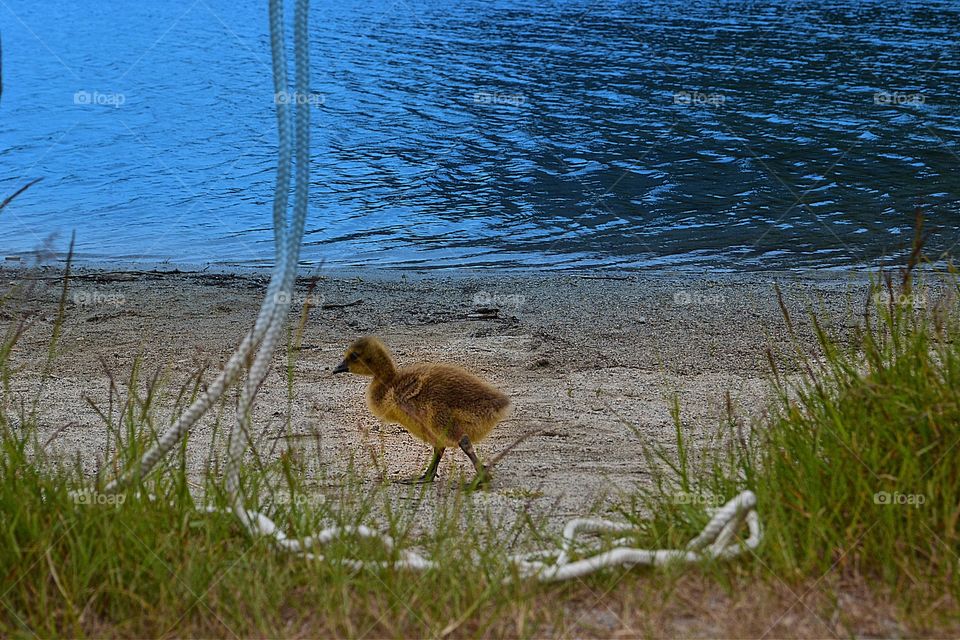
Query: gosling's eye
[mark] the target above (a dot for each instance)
(353, 356)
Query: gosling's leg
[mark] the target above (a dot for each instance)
(431, 473)
(483, 476)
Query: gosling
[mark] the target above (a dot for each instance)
(441, 404)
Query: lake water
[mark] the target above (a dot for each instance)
(702, 135)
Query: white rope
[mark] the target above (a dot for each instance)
(279, 276)
(277, 299)
(286, 255)
(715, 542)
(256, 523)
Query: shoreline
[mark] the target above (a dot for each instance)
(26, 262)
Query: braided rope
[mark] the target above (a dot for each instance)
(279, 276)
(716, 541)
(276, 304)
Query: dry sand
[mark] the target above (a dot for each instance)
(592, 361)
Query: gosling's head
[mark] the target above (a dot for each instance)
(367, 357)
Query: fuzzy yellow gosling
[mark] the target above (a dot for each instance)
(441, 404)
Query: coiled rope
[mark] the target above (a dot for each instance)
(716, 540)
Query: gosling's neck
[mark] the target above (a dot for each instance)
(383, 368)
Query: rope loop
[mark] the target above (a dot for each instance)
(714, 542)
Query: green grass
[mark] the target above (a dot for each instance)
(880, 415)
(857, 467)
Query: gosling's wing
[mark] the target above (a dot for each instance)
(409, 396)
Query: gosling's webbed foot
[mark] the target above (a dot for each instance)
(430, 474)
(480, 481)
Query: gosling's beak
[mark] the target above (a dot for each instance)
(343, 367)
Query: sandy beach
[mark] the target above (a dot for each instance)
(592, 363)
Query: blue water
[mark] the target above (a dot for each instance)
(715, 135)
